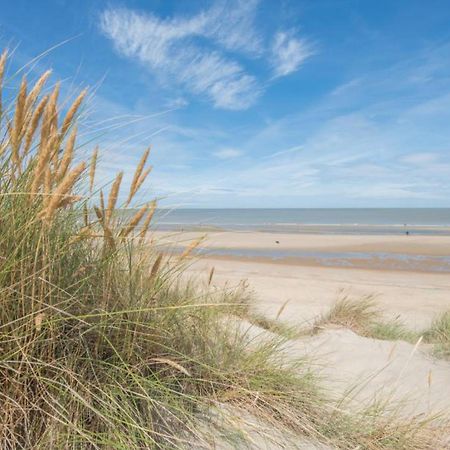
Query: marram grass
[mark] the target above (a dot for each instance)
(101, 345)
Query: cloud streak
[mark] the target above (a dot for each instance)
(289, 53)
(202, 53)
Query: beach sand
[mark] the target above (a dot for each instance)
(309, 288)
(371, 369)
(412, 244)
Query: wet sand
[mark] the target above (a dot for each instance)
(310, 287)
(412, 244)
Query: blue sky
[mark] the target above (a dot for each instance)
(318, 103)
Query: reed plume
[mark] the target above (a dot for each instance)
(18, 124)
(68, 120)
(102, 202)
(92, 169)
(33, 125)
(3, 59)
(36, 90)
(191, 247)
(156, 265)
(67, 156)
(58, 196)
(148, 219)
(134, 221)
(112, 198)
(138, 179)
(43, 158)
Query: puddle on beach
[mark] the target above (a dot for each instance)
(372, 260)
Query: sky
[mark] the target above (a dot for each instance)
(254, 103)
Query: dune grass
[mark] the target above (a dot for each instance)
(364, 317)
(102, 345)
(439, 335)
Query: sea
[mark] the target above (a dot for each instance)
(424, 221)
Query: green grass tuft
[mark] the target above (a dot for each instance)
(439, 335)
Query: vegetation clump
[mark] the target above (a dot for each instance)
(439, 335)
(363, 317)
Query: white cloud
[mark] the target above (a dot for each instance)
(230, 23)
(420, 158)
(289, 53)
(174, 49)
(167, 47)
(177, 103)
(228, 153)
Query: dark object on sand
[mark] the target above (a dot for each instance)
(407, 233)
(277, 242)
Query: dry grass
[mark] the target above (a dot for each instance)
(439, 335)
(101, 346)
(357, 315)
(364, 317)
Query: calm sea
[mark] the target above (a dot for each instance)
(339, 221)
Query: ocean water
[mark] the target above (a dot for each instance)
(432, 221)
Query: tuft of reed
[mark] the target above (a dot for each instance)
(104, 346)
(439, 335)
(363, 316)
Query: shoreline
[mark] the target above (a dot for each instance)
(318, 263)
(422, 254)
(413, 244)
(312, 229)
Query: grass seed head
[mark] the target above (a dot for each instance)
(92, 169)
(67, 156)
(137, 176)
(62, 190)
(112, 199)
(68, 120)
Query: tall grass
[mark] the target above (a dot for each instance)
(102, 346)
(439, 335)
(364, 317)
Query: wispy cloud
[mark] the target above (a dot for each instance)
(200, 53)
(289, 53)
(227, 153)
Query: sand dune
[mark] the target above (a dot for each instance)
(371, 369)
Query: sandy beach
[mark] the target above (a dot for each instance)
(303, 289)
(412, 244)
(310, 288)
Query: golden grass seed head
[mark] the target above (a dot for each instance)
(67, 156)
(92, 169)
(156, 265)
(191, 247)
(37, 88)
(19, 120)
(102, 203)
(128, 228)
(3, 59)
(43, 159)
(68, 120)
(113, 195)
(33, 125)
(148, 219)
(137, 176)
(62, 190)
